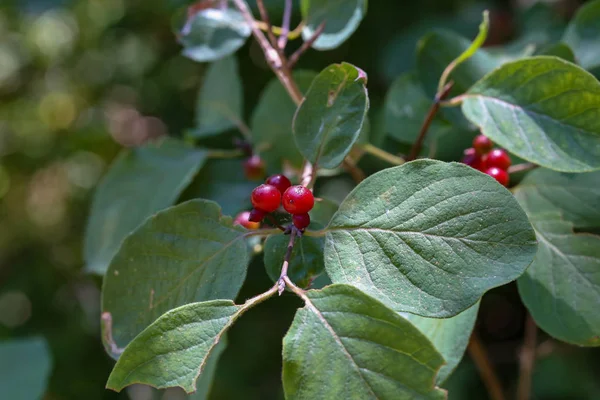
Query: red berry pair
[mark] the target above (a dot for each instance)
(297, 200)
(494, 162)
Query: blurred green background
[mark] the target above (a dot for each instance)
(81, 78)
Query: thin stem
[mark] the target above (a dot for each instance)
(262, 232)
(486, 370)
(274, 223)
(109, 341)
(521, 167)
(225, 153)
(416, 148)
(292, 35)
(264, 15)
(286, 261)
(527, 359)
(309, 174)
(257, 299)
(285, 26)
(355, 172)
(382, 154)
(305, 46)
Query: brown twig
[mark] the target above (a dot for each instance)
(486, 370)
(355, 172)
(285, 26)
(286, 261)
(264, 15)
(440, 96)
(305, 46)
(527, 359)
(521, 167)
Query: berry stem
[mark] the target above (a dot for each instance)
(441, 95)
(285, 25)
(286, 261)
(521, 168)
(485, 368)
(273, 222)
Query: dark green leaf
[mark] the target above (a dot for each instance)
(306, 261)
(330, 119)
(450, 336)
(272, 123)
(140, 182)
(25, 366)
(560, 50)
(428, 238)
(543, 109)
(177, 348)
(220, 102)
(583, 35)
(213, 33)
(184, 254)
(341, 19)
(345, 345)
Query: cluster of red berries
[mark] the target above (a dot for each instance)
(483, 157)
(278, 190)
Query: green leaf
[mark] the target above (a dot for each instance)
(272, 123)
(140, 182)
(177, 348)
(543, 109)
(25, 366)
(330, 119)
(306, 261)
(220, 101)
(345, 345)
(560, 50)
(428, 238)
(561, 288)
(583, 35)
(450, 336)
(341, 19)
(213, 33)
(576, 196)
(184, 254)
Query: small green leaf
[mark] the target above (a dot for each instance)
(220, 101)
(25, 366)
(184, 254)
(561, 288)
(576, 196)
(428, 238)
(272, 123)
(213, 33)
(175, 350)
(345, 345)
(306, 261)
(583, 35)
(543, 109)
(450, 336)
(341, 19)
(560, 50)
(140, 182)
(330, 119)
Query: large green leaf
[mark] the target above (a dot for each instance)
(330, 119)
(543, 109)
(345, 345)
(177, 348)
(583, 35)
(428, 237)
(220, 101)
(140, 182)
(306, 261)
(213, 33)
(25, 366)
(184, 254)
(272, 123)
(450, 336)
(341, 18)
(577, 196)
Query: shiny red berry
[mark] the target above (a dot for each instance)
(472, 159)
(254, 168)
(497, 158)
(266, 198)
(482, 144)
(498, 174)
(256, 215)
(244, 220)
(281, 182)
(298, 200)
(301, 221)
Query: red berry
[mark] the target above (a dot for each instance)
(266, 198)
(256, 215)
(482, 144)
(497, 158)
(498, 174)
(298, 200)
(244, 220)
(280, 182)
(473, 159)
(301, 221)
(254, 168)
